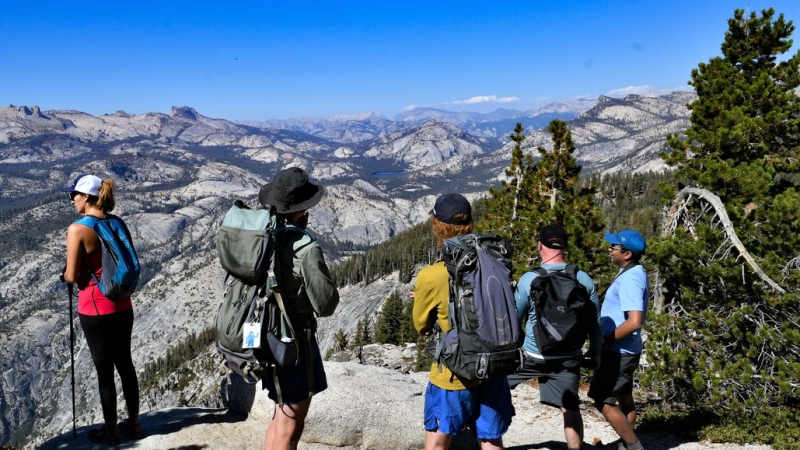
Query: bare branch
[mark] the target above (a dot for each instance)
(792, 265)
(680, 204)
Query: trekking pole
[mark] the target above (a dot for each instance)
(72, 359)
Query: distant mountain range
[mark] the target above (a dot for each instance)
(178, 173)
(495, 125)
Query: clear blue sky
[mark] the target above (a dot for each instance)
(284, 59)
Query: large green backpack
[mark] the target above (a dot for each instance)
(252, 300)
(245, 243)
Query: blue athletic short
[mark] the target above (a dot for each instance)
(486, 408)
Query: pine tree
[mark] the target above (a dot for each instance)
(564, 200)
(549, 191)
(728, 342)
(340, 340)
(390, 320)
(407, 331)
(363, 333)
(509, 205)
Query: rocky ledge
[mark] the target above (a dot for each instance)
(365, 407)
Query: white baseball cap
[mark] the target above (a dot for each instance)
(85, 184)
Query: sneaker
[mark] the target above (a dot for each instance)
(130, 428)
(635, 446)
(105, 435)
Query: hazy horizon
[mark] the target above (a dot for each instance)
(262, 61)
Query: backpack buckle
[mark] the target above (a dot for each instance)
(483, 366)
(272, 282)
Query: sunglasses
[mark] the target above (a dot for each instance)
(620, 248)
(72, 195)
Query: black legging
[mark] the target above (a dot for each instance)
(109, 339)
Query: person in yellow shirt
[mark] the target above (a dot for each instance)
(451, 404)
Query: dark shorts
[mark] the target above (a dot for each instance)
(293, 381)
(486, 408)
(558, 380)
(613, 377)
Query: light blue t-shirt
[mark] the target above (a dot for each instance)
(521, 296)
(629, 292)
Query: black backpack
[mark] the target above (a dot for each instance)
(485, 339)
(561, 303)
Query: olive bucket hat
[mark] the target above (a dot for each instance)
(290, 191)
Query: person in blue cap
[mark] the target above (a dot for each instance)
(623, 313)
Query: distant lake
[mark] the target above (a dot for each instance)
(387, 174)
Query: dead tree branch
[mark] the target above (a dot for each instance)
(680, 205)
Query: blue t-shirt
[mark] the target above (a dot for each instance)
(629, 292)
(522, 295)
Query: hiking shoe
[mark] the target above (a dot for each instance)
(634, 446)
(104, 435)
(620, 445)
(130, 428)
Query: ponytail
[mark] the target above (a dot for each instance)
(105, 198)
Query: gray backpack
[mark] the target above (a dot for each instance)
(485, 339)
(252, 301)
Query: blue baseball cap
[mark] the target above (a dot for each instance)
(450, 205)
(630, 239)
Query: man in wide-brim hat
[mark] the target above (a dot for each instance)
(308, 291)
(290, 192)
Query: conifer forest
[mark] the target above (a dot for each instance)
(723, 229)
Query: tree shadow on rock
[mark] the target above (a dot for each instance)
(650, 440)
(172, 420)
(237, 396)
(658, 440)
(154, 423)
(548, 445)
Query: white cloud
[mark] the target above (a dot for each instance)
(486, 99)
(645, 91)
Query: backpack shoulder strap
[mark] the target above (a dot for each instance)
(291, 228)
(571, 269)
(88, 221)
(541, 272)
(628, 267)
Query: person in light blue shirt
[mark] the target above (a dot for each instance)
(558, 372)
(623, 314)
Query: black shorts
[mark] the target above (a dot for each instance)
(558, 380)
(613, 377)
(294, 380)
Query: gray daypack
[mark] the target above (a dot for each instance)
(485, 338)
(252, 299)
